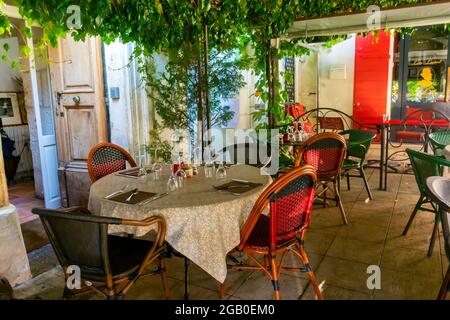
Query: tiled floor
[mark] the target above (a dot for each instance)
(339, 254)
(22, 196)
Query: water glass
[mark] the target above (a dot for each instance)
(172, 184)
(180, 177)
(209, 170)
(221, 173)
(157, 170)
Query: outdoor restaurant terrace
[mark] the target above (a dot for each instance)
(233, 150)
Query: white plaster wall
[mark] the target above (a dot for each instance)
(306, 76)
(132, 115)
(337, 93)
(6, 72)
(118, 73)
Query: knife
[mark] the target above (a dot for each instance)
(158, 196)
(238, 180)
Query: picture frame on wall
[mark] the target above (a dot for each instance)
(9, 109)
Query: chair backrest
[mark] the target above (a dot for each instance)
(358, 142)
(418, 114)
(106, 158)
(331, 123)
(425, 165)
(325, 152)
(245, 153)
(290, 200)
(78, 238)
(439, 139)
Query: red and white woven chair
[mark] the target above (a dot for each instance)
(106, 158)
(325, 152)
(290, 200)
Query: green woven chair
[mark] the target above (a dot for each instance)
(439, 140)
(358, 144)
(425, 165)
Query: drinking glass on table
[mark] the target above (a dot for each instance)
(209, 169)
(142, 159)
(157, 167)
(221, 173)
(172, 184)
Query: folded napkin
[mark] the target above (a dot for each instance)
(141, 196)
(133, 172)
(238, 186)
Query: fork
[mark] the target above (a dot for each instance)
(134, 192)
(116, 192)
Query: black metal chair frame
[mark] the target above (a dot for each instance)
(104, 281)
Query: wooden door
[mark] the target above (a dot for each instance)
(77, 84)
(372, 57)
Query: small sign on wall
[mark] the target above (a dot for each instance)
(338, 72)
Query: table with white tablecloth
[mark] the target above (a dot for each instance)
(203, 224)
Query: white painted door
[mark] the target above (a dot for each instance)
(44, 112)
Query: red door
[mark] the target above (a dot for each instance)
(371, 77)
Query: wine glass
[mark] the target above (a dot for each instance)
(157, 170)
(180, 176)
(221, 173)
(157, 167)
(290, 131)
(172, 183)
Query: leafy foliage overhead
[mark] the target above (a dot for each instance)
(157, 25)
(171, 25)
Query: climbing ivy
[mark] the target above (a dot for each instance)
(170, 25)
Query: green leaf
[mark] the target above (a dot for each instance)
(25, 51)
(159, 7)
(6, 46)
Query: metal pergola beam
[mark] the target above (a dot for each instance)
(405, 16)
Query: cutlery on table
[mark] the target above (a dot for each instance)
(133, 193)
(242, 186)
(239, 180)
(116, 192)
(156, 197)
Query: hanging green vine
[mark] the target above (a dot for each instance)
(170, 25)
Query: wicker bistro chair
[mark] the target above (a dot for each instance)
(106, 261)
(424, 166)
(419, 134)
(106, 158)
(358, 145)
(439, 140)
(325, 152)
(290, 200)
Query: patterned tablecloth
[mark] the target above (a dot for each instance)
(203, 224)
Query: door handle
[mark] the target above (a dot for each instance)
(76, 99)
(58, 102)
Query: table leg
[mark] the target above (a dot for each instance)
(186, 271)
(382, 146)
(386, 156)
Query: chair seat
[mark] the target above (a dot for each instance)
(410, 135)
(351, 164)
(125, 256)
(259, 238)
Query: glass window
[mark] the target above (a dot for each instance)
(427, 66)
